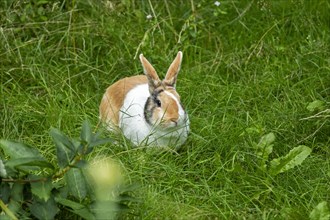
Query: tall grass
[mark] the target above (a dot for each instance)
(249, 68)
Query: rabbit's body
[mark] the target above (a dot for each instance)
(114, 97)
(148, 111)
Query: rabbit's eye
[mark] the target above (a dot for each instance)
(158, 103)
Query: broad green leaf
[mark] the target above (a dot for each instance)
(266, 140)
(5, 192)
(320, 212)
(86, 132)
(77, 208)
(78, 146)
(15, 199)
(84, 213)
(69, 203)
(96, 141)
(315, 105)
(61, 191)
(58, 136)
(65, 149)
(18, 150)
(29, 161)
(100, 141)
(3, 172)
(41, 189)
(76, 183)
(294, 158)
(44, 210)
(17, 192)
(264, 148)
(81, 164)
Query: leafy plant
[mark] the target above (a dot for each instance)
(282, 164)
(32, 186)
(320, 212)
(315, 105)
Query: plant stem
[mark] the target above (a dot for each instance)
(7, 210)
(23, 181)
(75, 160)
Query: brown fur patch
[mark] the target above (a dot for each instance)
(114, 97)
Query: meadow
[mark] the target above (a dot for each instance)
(250, 69)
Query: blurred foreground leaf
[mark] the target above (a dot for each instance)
(76, 208)
(65, 149)
(86, 132)
(17, 150)
(44, 210)
(29, 161)
(77, 184)
(41, 189)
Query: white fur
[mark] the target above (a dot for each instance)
(135, 128)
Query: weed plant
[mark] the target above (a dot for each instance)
(250, 69)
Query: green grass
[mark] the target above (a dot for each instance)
(249, 68)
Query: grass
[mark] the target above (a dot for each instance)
(249, 68)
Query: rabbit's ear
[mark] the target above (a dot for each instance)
(172, 72)
(153, 79)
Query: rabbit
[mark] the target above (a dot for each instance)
(146, 109)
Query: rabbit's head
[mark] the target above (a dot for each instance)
(163, 107)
